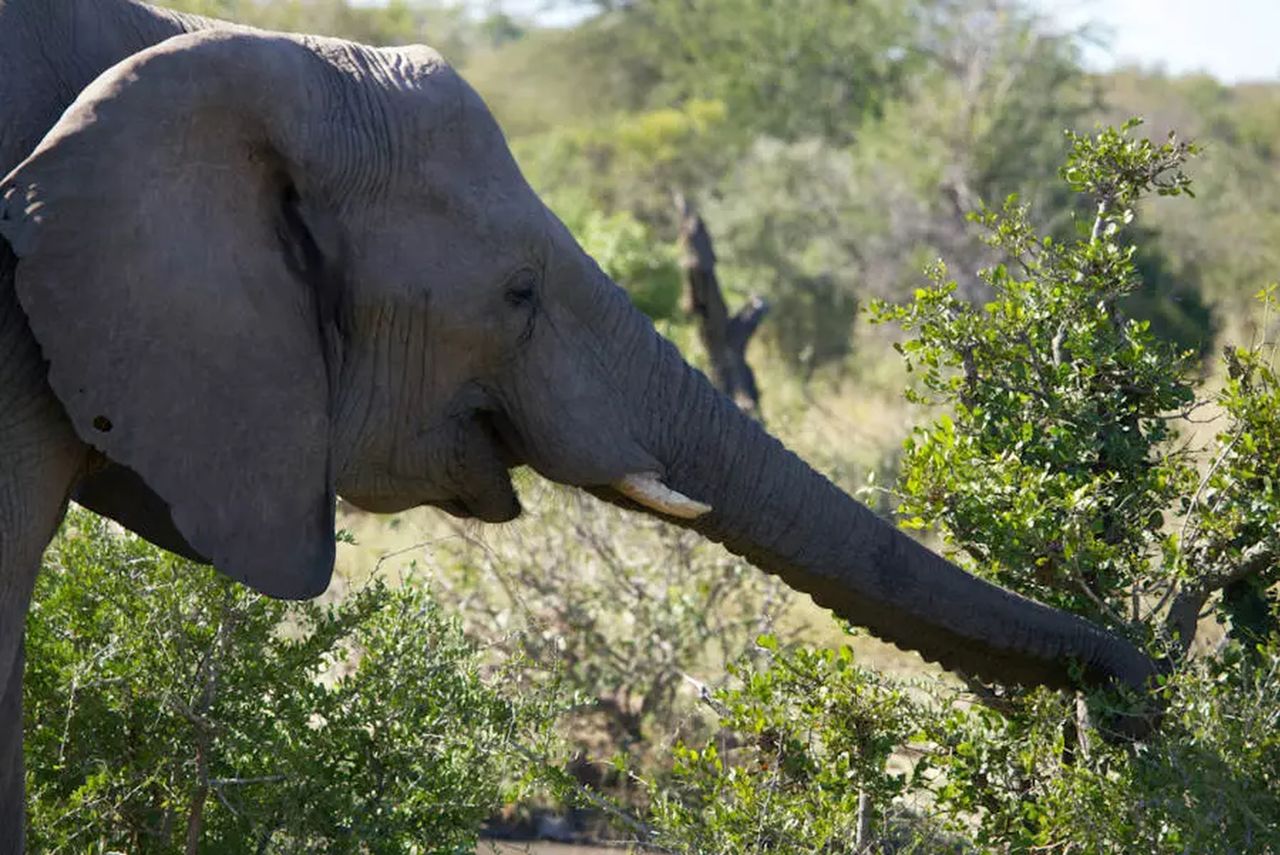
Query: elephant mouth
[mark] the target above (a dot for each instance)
(489, 511)
(486, 453)
(497, 503)
(463, 467)
(502, 436)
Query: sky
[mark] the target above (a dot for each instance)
(1234, 40)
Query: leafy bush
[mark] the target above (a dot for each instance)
(1068, 471)
(1065, 471)
(1207, 784)
(1061, 457)
(818, 754)
(167, 706)
(805, 764)
(1064, 466)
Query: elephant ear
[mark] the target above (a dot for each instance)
(156, 229)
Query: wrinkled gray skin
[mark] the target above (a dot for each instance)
(245, 272)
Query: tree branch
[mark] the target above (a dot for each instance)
(1183, 615)
(724, 337)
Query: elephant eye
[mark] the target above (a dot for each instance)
(522, 288)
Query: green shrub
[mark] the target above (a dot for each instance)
(803, 761)
(1209, 783)
(167, 705)
(817, 753)
(1065, 468)
(1063, 464)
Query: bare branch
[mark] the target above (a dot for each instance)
(724, 337)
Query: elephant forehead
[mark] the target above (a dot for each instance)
(438, 111)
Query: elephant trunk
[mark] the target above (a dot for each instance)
(770, 507)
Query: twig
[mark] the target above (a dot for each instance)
(242, 782)
(705, 695)
(1098, 601)
(1200, 488)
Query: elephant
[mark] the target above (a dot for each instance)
(244, 273)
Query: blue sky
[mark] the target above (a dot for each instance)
(1232, 39)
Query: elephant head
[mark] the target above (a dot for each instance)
(267, 269)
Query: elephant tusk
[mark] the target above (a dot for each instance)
(648, 490)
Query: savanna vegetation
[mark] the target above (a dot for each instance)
(1037, 334)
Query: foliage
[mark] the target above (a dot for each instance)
(1235, 540)
(820, 227)
(631, 162)
(166, 704)
(815, 747)
(787, 70)
(1059, 466)
(804, 251)
(1064, 471)
(983, 115)
(806, 764)
(1057, 469)
(627, 251)
(1207, 784)
(555, 79)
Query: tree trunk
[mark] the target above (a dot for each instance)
(863, 841)
(195, 817)
(725, 337)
